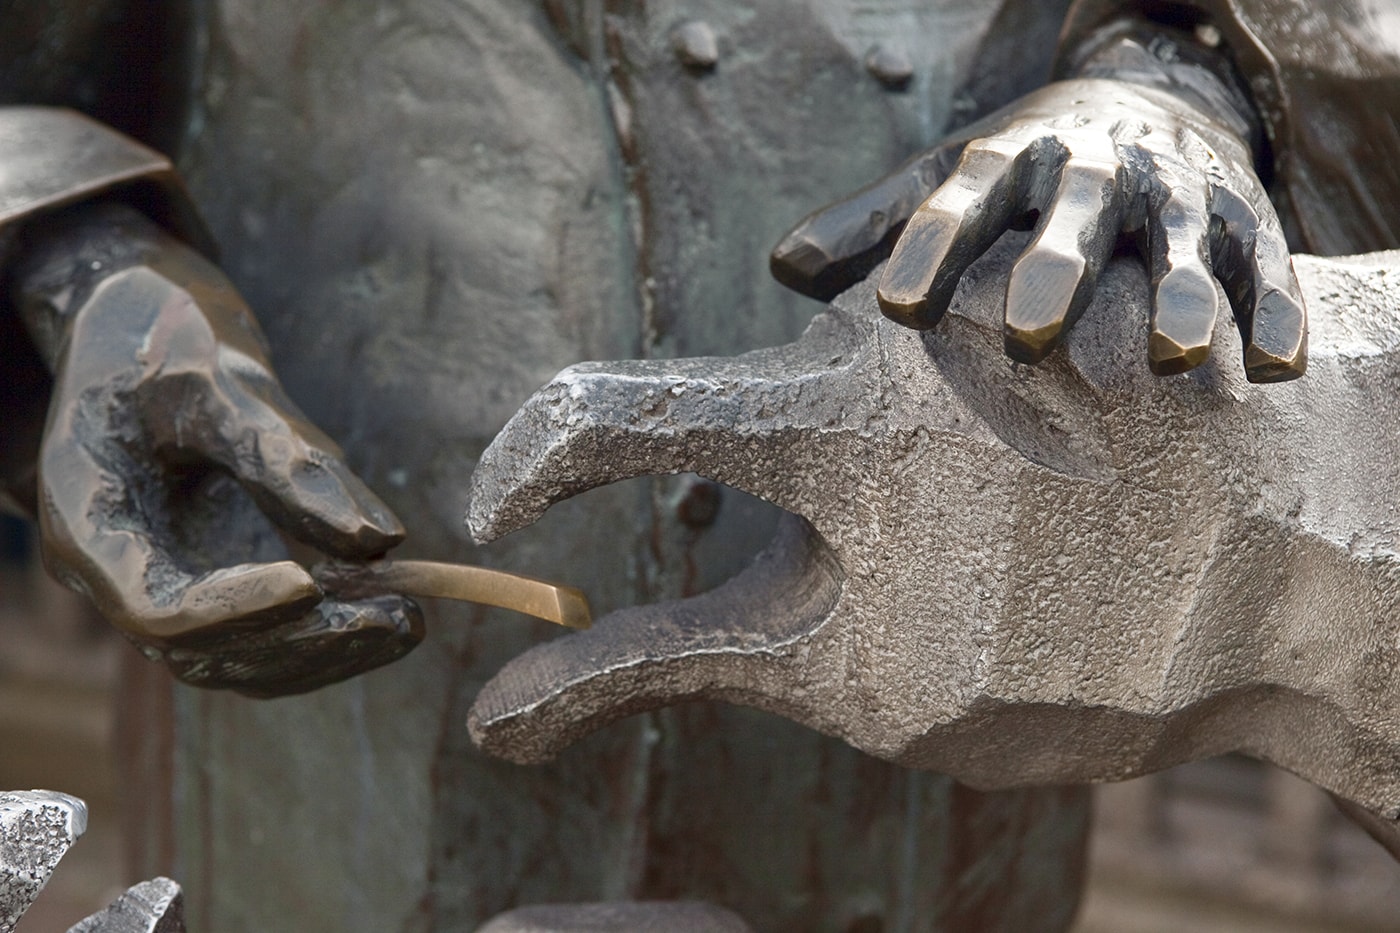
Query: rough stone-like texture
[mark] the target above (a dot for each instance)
(1070, 572)
(36, 828)
(433, 206)
(155, 906)
(645, 917)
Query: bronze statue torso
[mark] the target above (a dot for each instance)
(433, 206)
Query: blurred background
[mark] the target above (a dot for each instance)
(1223, 845)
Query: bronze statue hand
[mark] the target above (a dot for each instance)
(162, 392)
(1086, 161)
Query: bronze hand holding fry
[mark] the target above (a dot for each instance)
(169, 444)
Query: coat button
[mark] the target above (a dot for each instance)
(695, 46)
(891, 67)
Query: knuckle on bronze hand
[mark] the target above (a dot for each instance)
(319, 500)
(1236, 215)
(182, 410)
(259, 399)
(295, 473)
(1185, 302)
(1045, 288)
(910, 291)
(838, 245)
(937, 165)
(256, 439)
(1251, 261)
(1184, 310)
(949, 232)
(1051, 283)
(178, 336)
(988, 156)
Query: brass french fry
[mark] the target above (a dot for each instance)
(553, 602)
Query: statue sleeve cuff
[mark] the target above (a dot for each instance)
(52, 157)
(1187, 59)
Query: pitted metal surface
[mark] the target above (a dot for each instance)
(36, 828)
(1071, 572)
(155, 906)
